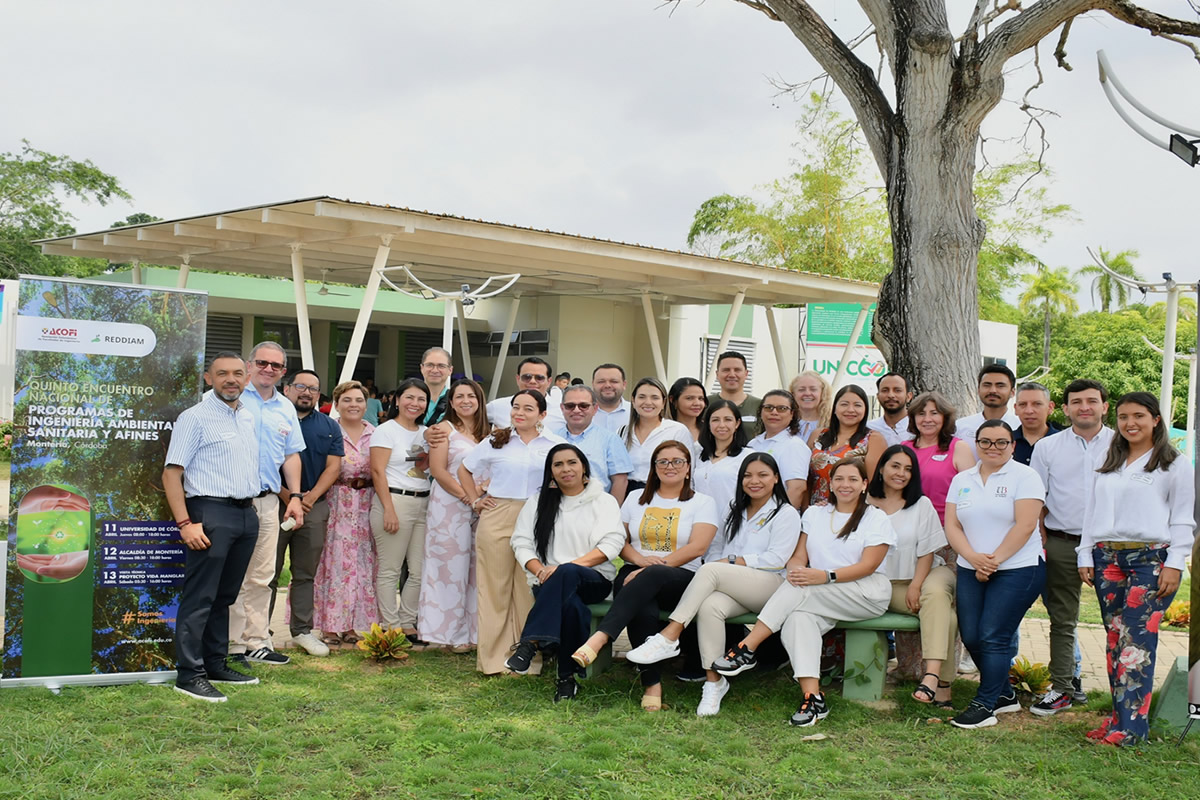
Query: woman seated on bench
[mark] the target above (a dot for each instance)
(566, 537)
(670, 527)
(922, 584)
(761, 533)
(835, 575)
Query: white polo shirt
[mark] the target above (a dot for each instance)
(1067, 464)
(987, 512)
(897, 435)
(968, 425)
(790, 453)
(663, 525)
(826, 551)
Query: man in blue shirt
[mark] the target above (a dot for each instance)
(279, 444)
(609, 460)
(320, 466)
(210, 479)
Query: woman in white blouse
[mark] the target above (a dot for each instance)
(565, 538)
(779, 419)
(723, 448)
(922, 584)
(648, 427)
(1137, 536)
(669, 528)
(992, 511)
(512, 460)
(836, 574)
(398, 473)
(760, 535)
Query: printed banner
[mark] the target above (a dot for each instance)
(95, 562)
(827, 329)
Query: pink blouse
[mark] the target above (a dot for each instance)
(937, 470)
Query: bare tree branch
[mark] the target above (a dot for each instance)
(763, 7)
(1190, 45)
(1060, 51)
(880, 13)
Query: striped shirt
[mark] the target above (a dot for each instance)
(278, 432)
(217, 448)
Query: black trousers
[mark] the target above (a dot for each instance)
(636, 606)
(211, 582)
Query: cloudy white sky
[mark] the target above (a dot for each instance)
(613, 119)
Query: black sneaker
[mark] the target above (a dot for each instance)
(812, 709)
(974, 716)
(223, 674)
(265, 655)
(1078, 695)
(522, 657)
(566, 689)
(736, 661)
(691, 675)
(1007, 705)
(1051, 704)
(201, 689)
(237, 660)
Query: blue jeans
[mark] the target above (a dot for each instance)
(989, 612)
(560, 614)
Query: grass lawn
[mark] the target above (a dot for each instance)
(341, 728)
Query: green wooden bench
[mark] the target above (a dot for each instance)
(865, 665)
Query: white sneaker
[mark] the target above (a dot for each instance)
(966, 665)
(710, 698)
(311, 644)
(656, 648)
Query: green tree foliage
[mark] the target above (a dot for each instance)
(1049, 292)
(1108, 291)
(33, 187)
(139, 218)
(830, 215)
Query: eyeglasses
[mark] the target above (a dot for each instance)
(431, 365)
(777, 409)
(261, 364)
(989, 444)
(670, 462)
(573, 406)
(534, 378)
(302, 387)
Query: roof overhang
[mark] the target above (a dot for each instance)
(340, 238)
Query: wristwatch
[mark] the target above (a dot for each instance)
(833, 577)
(733, 559)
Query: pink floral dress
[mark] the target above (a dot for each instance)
(344, 587)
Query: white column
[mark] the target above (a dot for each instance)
(306, 349)
(849, 349)
(462, 340)
(184, 268)
(1190, 449)
(660, 366)
(773, 328)
(734, 310)
(364, 313)
(508, 331)
(137, 271)
(448, 325)
(1168, 365)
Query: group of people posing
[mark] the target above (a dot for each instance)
(494, 526)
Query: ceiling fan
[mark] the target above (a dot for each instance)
(324, 290)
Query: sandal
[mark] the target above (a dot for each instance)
(584, 657)
(351, 638)
(942, 703)
(651, 702)
(331, 640)
(925, 694)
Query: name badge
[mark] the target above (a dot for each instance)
(1142, 477)
(1001, 491)
(960, 505)
(939, 457)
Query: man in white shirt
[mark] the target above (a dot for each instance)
(1067, 463)
(608, 382)
(894, 395)
(532, 373)
(995, 388)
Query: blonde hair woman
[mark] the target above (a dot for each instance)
(814, 398)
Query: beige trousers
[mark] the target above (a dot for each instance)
(504, 597)
(803, 614)
(391, 551)
(721, 590)
(250, 614)
(939, 623)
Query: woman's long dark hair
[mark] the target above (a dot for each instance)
(793, 427)
(859, 510)
(677, 389)
(834, 431)
(1162, 453)
(741, 500)
(405, 385)
(550, 499)
(912, 493)
(500, 436)
(653, 484)
(708, 442)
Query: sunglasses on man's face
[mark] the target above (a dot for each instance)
(573, 406)
(263, 364)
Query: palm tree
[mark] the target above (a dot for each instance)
(1050, 291)
(1104, 287)
(1157, 313)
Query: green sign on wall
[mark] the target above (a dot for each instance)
(832, 323)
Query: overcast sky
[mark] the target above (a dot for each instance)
(613, 119)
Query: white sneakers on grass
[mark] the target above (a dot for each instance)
(656, 648)
(311, 644)
(710, 698)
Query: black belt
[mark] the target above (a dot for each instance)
(409, 492)
(1070, 537)
(263, 493)
(239, 502)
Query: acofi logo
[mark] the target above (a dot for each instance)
(863, 367)
(59, 332)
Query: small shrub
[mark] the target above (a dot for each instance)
(382, 645)
(1030, 677)
(1179, 614)
(6, 430)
